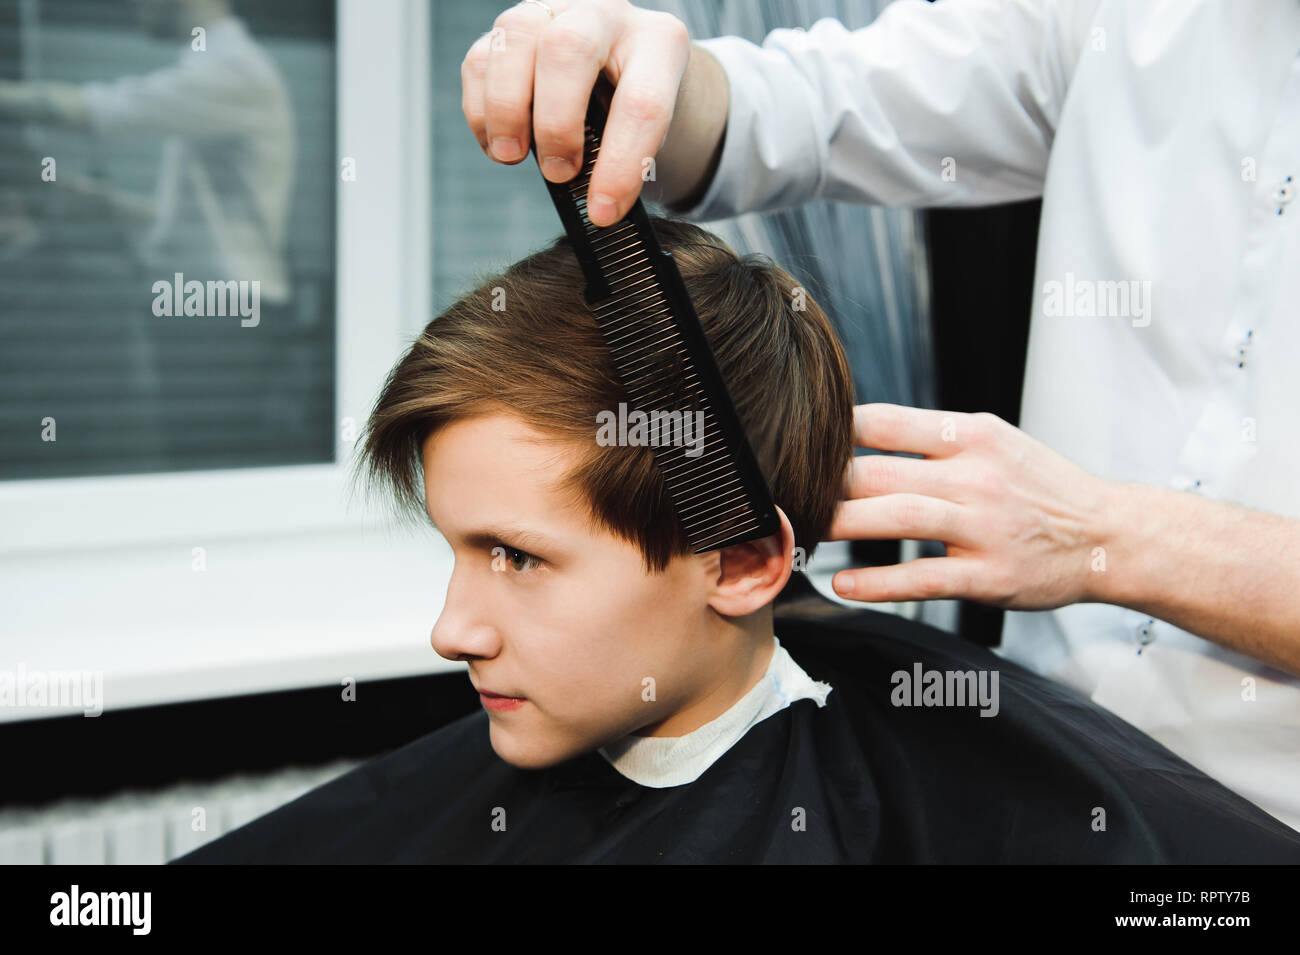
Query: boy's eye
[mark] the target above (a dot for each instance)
(520, 560)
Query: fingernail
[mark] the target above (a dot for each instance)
(557, 168)
(602, 205)
(505, 147)
(844, 586)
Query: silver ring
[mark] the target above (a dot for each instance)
(549, 11)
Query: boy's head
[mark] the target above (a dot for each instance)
(574, 587)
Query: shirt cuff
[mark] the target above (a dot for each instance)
(773, 152)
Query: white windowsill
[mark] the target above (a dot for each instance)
(273, 614)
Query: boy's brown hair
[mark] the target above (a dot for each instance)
(539, 355)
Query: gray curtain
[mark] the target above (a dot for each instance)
(866, 266)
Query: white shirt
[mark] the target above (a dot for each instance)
(1164, 139)
(662, 761)
(226, 175)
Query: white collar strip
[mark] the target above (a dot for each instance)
(663, 761)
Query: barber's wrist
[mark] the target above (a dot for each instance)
(1128, 542)
(692, 148)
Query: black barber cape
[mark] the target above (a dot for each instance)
(859, 780)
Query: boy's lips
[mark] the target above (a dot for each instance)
(501, 702)
(500, 696)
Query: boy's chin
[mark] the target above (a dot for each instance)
(525, 753)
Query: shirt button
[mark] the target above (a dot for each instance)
(1146, 633)
(1284, 193)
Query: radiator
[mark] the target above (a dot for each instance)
(149, 828)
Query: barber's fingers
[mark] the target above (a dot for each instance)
(497, 81)
(533, 76)
(513, 38)
(571, 54)
(889, 427)
(926, 578)
(651, 61)
(904, 517)
(871, 475)
(473, 82)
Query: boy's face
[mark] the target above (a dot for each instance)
(545, 607)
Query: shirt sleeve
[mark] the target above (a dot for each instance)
(204, 95)
(953, 103)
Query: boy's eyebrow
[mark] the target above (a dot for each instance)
(514, 535)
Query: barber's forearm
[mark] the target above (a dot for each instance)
(689, 157)
(84, 195)
(43, 102)
(1226, 573)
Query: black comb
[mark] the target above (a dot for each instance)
(663, 358)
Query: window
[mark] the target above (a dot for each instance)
(167, 256)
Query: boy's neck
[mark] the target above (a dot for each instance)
(741, 674)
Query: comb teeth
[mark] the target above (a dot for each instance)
(665, 364)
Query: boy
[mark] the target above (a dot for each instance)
(638, 702)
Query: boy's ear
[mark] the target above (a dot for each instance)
(750, 575)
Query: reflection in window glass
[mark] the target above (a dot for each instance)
(166, 235)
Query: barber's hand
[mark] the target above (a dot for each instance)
(1021, 524)
(533, 67)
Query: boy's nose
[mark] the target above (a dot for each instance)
(463, 641)
(462, 631)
